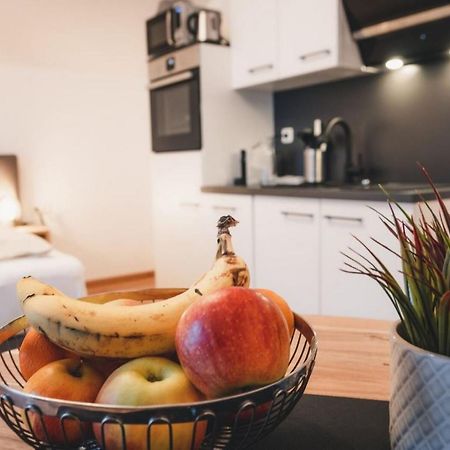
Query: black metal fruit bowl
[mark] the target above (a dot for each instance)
(232, 422)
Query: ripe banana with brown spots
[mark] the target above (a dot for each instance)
(114, 331)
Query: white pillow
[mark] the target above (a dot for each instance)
(14, 244)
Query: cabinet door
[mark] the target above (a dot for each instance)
(180, 258)
(308, 36)
(241, 208)
(344, 294)
(253, 41)
(287, 250)
(178, 219)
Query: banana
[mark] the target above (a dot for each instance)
(94, 329)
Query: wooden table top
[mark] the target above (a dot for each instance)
(352, 361)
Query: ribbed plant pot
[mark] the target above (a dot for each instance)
(419, 408)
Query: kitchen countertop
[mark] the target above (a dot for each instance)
(352, 361)
(401, 192)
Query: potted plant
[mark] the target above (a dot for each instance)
(419, 406)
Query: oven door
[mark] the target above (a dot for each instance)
(175, 112)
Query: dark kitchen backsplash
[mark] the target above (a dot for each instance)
(397, 118)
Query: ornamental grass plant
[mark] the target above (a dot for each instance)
(422, 301)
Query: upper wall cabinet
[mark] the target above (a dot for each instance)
(254, 42)
(281, 44)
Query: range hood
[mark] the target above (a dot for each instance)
(414, 30)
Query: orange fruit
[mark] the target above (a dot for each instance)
(282, 304)
(37, 351)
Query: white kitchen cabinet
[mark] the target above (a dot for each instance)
(185, 241)
(287, 250)
(180, 256)
(290, 43)
(304, 45)
(344, 294)
(241, 208)
(178, 219)
(254, 41)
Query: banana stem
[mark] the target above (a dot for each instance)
(225, 245)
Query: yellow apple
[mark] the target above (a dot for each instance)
(149, 381)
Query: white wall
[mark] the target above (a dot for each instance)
(74, 108)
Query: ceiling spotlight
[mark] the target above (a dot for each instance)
(394, 63)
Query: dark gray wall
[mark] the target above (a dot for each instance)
(397, 118)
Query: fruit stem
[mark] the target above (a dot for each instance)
(225, 245)
(76, 371)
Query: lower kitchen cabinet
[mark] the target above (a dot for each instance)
(287, 250)
(291, 245)
(180, 256)
(185, 241)
(343, 294)
(298, 245)
(241, 208)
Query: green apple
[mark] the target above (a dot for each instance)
(149, 381)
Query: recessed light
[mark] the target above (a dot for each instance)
(394, 63)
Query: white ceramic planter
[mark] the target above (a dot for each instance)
(419, 408)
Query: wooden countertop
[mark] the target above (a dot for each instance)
(352, 361)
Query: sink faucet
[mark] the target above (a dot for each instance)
(349, 171)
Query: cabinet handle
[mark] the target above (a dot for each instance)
(260, 68)
(227, 208)
(297, 214)
(318, 53)
(344, 219)
(190, 204)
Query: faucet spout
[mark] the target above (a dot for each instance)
(340, 122)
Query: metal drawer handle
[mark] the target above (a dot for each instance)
(297, 214)
(190, 204)
(260, 68)
(227, 208)
(345, 219)
(316, 54)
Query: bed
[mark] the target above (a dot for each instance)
(54, 267)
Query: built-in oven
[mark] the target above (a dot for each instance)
(175, 101)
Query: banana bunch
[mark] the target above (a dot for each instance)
(90, 328)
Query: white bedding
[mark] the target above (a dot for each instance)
(58, 269)
(14, 244)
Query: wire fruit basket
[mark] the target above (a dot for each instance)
(233, 422)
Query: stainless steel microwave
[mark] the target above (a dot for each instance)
(175, 101)
(169, 29)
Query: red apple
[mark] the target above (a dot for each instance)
(149, 381)
(66, 379)
(232, 339)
